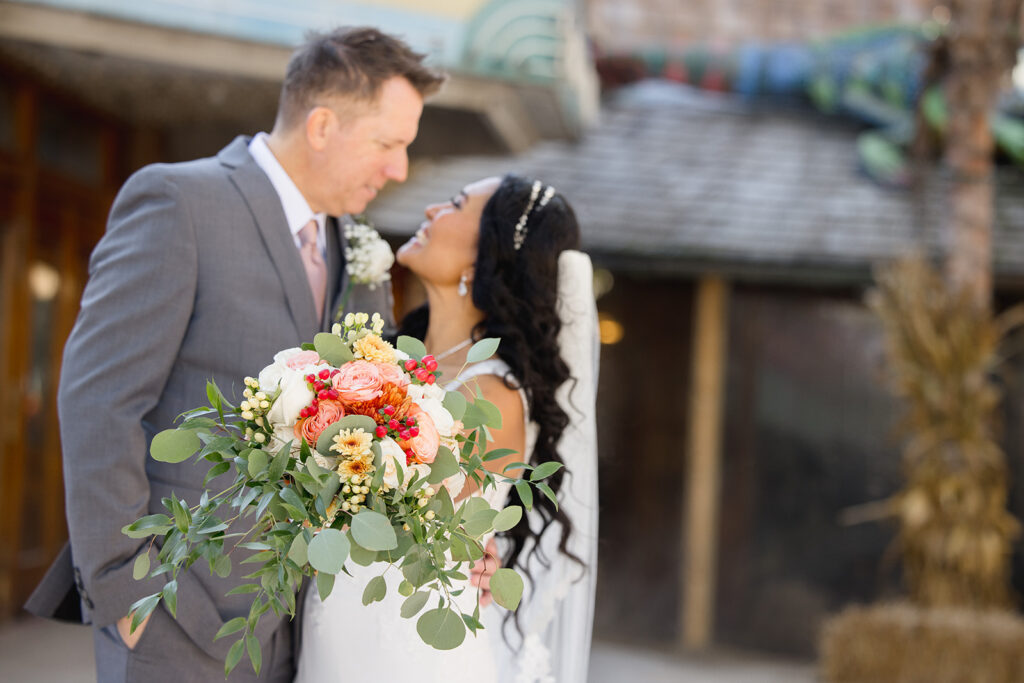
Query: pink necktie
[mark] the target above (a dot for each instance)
(316, 270)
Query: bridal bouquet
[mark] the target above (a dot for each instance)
(343, 450)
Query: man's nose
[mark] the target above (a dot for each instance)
(398, 168)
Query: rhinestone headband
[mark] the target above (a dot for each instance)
(520, 233)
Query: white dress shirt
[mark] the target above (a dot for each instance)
(296, 209)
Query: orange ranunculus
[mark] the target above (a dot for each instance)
(390, 396)
(310, 428)
(425, 444)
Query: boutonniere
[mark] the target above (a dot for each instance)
(368, 258)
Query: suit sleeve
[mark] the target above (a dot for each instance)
(135, 312)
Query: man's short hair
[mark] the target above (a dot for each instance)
(352, 62)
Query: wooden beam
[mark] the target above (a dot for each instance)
(704, 445)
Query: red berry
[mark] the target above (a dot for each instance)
(411, 364)
(323, 395)
(410, 421)
(414, 431)
(382, 431)
(431, 365)
(408, 458)
(335, 373)
(325, 373)
(431, 379)
(404, 434)
(310, 378)
(314, 409)
(333, 393)
(304, 412)
(427, 358)
(393, 423)
(389, 410)
(422, 375)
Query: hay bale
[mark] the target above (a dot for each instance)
(904, 643)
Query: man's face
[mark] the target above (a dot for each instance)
(366, 147)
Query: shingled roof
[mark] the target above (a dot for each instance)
(676, 181)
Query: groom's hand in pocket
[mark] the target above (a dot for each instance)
(124, 628)
(483, 570)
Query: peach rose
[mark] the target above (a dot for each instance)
(425, 444)
(359, 380)
(392, 374)
(310, 428)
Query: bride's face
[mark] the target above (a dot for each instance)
(445, 245)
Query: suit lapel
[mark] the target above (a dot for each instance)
(265, 206)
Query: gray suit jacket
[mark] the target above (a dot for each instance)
(197, 278)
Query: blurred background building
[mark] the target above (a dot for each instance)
(734, 225)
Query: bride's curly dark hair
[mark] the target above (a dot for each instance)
(517, 291)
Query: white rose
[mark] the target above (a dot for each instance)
(439, 415)
(394, 459)
(295, 395)
(418, 391)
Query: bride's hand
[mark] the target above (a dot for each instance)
(481, 573)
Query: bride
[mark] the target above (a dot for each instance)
(497, 260)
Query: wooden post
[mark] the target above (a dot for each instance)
(700, 540)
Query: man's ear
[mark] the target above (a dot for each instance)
(318, 123)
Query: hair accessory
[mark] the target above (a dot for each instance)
(520, 233)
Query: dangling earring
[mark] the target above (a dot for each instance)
(463, 289)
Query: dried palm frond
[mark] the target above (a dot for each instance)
(942, 353)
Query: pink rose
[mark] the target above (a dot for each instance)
(302, 359)
(425, 444)
(392, 374)
(328, 412)
(359, 380)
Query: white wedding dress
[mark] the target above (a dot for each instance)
(342, 639)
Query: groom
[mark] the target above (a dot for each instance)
(206, 270)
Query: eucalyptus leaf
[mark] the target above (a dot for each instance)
(444, 466)
(328, 551)
(405, 589)
(298, 552)
(360, 555)
(375, 591)
(170, 597)
(414, 603)
(441, 628)
(147, 526)
(324, 584)
(412, 346)
(492, 416)
(280, 463)
(455, 403)
(507, 588)
(480, 523)
(141, 609)
(331, 349)
(257, 462)
(174, 445)
(373, 531)
(482, 350)
(508, 518)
